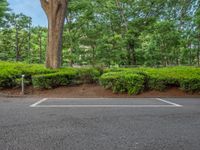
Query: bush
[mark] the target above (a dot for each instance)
(158, 79)
(191, 84)
(187, 78)
(131, 80)
(53, 80)
(65, 76)
(8, 78)
(88, 75)
(123, 82)
(10, 73)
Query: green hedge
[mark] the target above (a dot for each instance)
(159, 79)
(123, 82)
(88, 75)
(10, 73)
(186, 78)
(131, 80)
(54, 80)
(191, 84)
(66, 76)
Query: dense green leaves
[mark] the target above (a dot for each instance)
(11, 72)
(41, 77)
(3, 9)
(53, 80)
(123, 82)
(186, 78)
(130, 80)
(111, 33)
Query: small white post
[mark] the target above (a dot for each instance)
(22, 92)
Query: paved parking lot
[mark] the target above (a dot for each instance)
(100, 124)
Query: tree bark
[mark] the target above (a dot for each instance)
(55, 11)
(198, 53)
(17, 44)
(40, 45)
(29, 42)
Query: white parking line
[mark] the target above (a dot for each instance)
(37, 104)
(168, 102)
(105, 106)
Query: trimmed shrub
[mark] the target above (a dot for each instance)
(131, 80)
(191, 84)
(187, 78)
(88, 75)
(8, 78)
(65, 76)
(53, 80)
(10, 73)
(160, 80)
(123, 82)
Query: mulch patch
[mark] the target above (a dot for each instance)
(90, 91)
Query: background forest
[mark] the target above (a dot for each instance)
(110, 33)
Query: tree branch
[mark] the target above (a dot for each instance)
(45, 5)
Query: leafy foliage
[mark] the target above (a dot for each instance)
(130, 80)
(110, 33)
(11, 72)
(54, 79)
(41, 77)
(187, 78)
(123, 82)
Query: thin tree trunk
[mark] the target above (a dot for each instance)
(124, 23)
(198, 52)
(71, 62)
(190, 54)
(55, 11)
(29, 42)
(133, 57)
(93, 56)
(17, 45)
(40, 47)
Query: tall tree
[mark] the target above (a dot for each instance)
(55, 11)
(3, 9)
(18, 22)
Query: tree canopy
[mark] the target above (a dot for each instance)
(111, 33)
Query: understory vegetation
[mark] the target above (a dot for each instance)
(120, 80)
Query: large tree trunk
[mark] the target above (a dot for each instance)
(55, 11)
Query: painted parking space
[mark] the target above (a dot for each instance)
(104, 102)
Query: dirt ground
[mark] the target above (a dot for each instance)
(91, 91)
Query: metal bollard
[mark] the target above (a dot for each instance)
(22, 92)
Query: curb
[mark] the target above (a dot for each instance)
(11, 96)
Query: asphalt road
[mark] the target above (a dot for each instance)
(99, 124)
